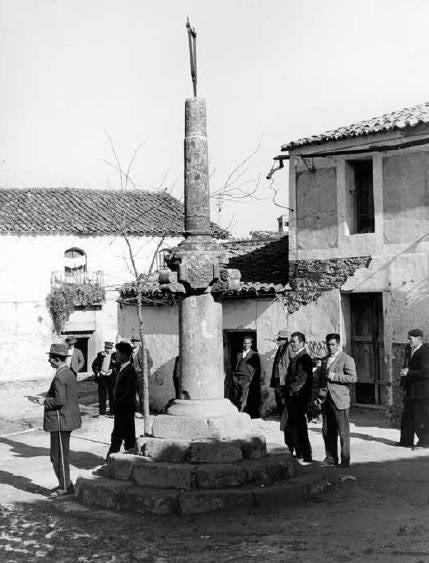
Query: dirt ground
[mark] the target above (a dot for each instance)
(381, 515)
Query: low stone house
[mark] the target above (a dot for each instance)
(67, 242)
(256, 309)
(359, 242)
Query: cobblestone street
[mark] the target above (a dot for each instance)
(382, 515)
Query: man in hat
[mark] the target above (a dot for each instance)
(279, 371)
(124, 404)
(138, 363)
(415, 382)
(104, 373)
(61, 416)
(76, 360)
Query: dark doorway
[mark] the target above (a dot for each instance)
(82, 345)
(368, 347)
(232, 346)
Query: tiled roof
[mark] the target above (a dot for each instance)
(89, 212)
(401, 119)
(263, 266)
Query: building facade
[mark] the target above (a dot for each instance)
(62, 242)
(359, 243)
(257, 309)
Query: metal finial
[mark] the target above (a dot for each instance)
(192, 39)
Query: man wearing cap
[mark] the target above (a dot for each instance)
(76, 360)
(415, 382)
(61, 416)
(279, 371)
(124, 405)
(104, 373)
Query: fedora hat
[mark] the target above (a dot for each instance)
(283, 335)
(108, 344)
(59, 349)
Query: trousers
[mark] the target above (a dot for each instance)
(415, 420)
(335, 423)
(59, 453)
(296, 431)
(124, 430)
(241, 390)
(105, 389)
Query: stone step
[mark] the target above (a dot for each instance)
(202, 451)
(124, 496)
(145, 472)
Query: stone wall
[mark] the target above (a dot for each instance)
(311, 278)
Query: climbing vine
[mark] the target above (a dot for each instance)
(64, 298)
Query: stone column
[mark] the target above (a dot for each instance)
(196, 265)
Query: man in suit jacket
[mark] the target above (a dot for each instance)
(415, 381)
(104, 367)
(124, 401)
(138, 363)
(337, 372)
(279, 371)
(298, 393)
(246, 378)
(76, 360)
(61, 416)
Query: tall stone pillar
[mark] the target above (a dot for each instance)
(195, 266)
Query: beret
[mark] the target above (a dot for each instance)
(415, 332)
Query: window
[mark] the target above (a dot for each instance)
(74, 265)
(360, 186)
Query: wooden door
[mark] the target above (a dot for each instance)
(368, 347)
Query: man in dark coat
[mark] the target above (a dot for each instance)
(104, 367)
(415, 382)
(124, 401)
(61, 416)
(337, 373)
(279, 371)
(298, 392)
(247, 378)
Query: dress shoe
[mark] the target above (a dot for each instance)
(61, 492)
(344, 464)
(329, 462)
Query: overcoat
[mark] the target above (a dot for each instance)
(416, 382)
(61, 403)
(124, 392)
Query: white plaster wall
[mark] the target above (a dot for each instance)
(265, 316)
(25, 278)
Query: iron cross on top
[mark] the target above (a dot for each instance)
(192, 39)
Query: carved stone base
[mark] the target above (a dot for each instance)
(208, 427)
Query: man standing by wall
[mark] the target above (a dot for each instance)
(61, 416)
(247, 372)
(138, 363)
(298, 391)
(415, 381)
(103, 367)
(280, 366)
(338, 371)
(76, 360)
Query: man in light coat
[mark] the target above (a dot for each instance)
(338, 372)
(75, 360)
(279, 371)
(61, 417)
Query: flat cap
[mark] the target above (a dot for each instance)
(416, 332)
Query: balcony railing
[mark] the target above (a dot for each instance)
(86, 288)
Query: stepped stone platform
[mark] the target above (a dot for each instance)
(194, 476)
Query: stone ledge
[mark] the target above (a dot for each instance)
(171, 450)
(146, 472)
(124, 496)
(188, 428)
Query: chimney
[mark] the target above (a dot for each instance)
(283, 224)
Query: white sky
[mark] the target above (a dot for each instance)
(72, 69)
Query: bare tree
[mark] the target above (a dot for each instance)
(124, 229)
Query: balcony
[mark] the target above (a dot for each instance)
(85, 288)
